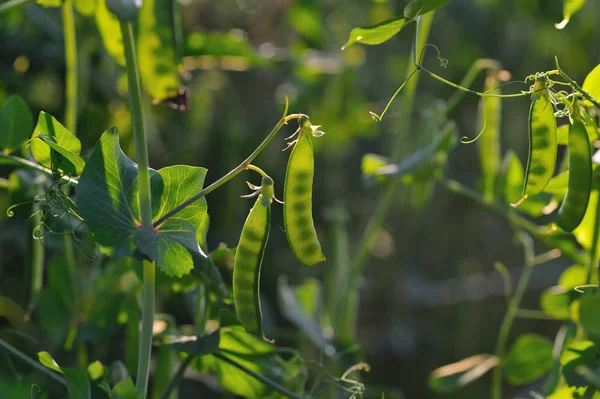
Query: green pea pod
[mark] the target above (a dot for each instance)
(543, 146)
(577, 197)
(297, 201)
(247, 264)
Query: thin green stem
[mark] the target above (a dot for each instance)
(13, 4)
(25, 163)
(36, 365)
(231, 174)
(141, 152)
(509, 316)
(533, 314)
(593, 251)
(477, 93)
(271, 384)
(478, 66)
(576, 86)
(257, 170)
(37, 256)
(71, 86)
(177, 377)
(513, 216)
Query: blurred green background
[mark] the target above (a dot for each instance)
(429, 295)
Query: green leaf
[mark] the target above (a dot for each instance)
(558, 185)
(529, 358)
(156, 50)
(456, 375)
(591, 84)
(46, 359)
(107, 197)
(48, 126)
(562, 134)
(197, 344)
(78, 383)
(420, 7)
(16, 123)
(376, 34)
(570, 7)
(588, 313)
(125, 389)
(585, 231)
(555, 302)
(110, 31)
(582, 353)
(13, 312)
(85, 7)
(69, 162)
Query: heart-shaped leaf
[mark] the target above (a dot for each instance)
(529, 358)
(376, 34)
(15, 123)
(108, 200)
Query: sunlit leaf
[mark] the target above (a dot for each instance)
(591, 84)
(107, 197)
(48, 126)
(570, 7)
(555, 302)
(376, 34)
(562, 134)
(456, 375)
(65, 160)
(585, 231)
(95, 370)
(49, 3)
(578, 354)
(420, 7)
(110, 31)
(156, 50)
(85, 7)
(16, 123)
(529, 358)
(46, 359)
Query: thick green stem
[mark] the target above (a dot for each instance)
(141, 152)
(71, 81)
(233, 173)
(509, 316)
(37, 256)
(271, 384)
(9, 5)
(36, 365)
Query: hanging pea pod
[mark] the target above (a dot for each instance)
(297, 197)
(577, 197)
(249, 256)
(543, 145)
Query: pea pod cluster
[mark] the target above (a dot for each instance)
(577, 197)
(297, 197)
(248, 259)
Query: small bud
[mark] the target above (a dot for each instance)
(125, 10)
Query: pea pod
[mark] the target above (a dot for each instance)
(248, 260)
(577, 197)
(543, 145)
(297, 198)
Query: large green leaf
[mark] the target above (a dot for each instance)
(420, 7)
(456, 375)
(258, 356)
(16, 122)
(588, 313)
(529, 358)
(125, 389)
(156, 50)
(376, 34)
(110, 31)
(78, 383)
(579, 354)
(48, 126)
(107, 197)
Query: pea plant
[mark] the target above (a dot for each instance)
(566, 193)
(157, 220)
